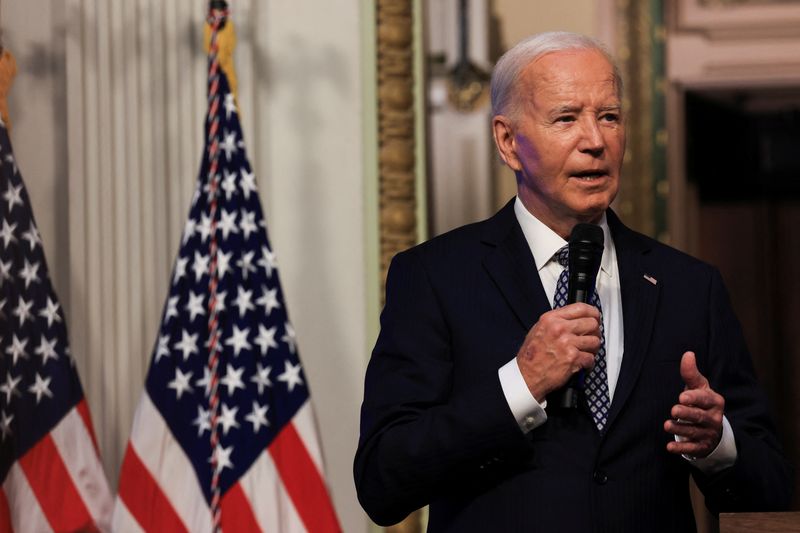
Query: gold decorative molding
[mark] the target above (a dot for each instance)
(396, 149)
(396, 127)
(640, 51)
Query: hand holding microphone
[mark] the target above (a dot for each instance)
(565, 340)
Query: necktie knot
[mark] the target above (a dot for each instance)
(562, 256)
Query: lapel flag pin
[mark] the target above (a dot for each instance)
(651, 279)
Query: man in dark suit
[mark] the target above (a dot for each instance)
(471, 348)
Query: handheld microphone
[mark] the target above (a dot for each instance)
(585, 254)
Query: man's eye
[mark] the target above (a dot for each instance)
(565, 118)
(610, 117)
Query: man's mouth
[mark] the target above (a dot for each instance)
(590, 174)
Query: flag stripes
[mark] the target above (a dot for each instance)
(237, 514)
(303, 481)
(26, 514)
(143, 498)
(52, 486)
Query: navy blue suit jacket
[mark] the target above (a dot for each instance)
(436, 428)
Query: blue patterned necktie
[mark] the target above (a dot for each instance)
(596, 389)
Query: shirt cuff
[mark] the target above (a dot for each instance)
(723, 456)
(528, 413)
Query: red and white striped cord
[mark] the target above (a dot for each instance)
(215, 19)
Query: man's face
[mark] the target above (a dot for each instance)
(567, 139)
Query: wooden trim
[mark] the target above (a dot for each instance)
(396, 128)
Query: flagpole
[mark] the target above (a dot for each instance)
(218, 12)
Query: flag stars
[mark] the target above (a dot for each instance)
(46, 350)
(181, 383)
(238, 340)
(229, 145)
(221, 301)
(9, 388)
(267, 261)
(246, 264)
(32, 236)
(269, 299)
(248, 223)
(5, 425)
(258, 416)
(291, 375)
(223, 263)
(29, 273)
(204, 227)
(243, 301)
(205, 382)
(41, 387)
(180, 269)
(228, 418)
(172, 308)
(227, 223)
(50, 312)
(23, 310)
(13, 162)
(203, 421)
(233, 379)
(229, 105)
(261, 377)
(13, 196)
(229, 184)
(188, 230)
(187, 344)
(212, 192)
(7, 233)
(195, 305)
(289, 338)
(200, 266)
(222, 458)
(17, 349)
(162, 347)
(248, 183)
(266, 338)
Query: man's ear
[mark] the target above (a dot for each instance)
(503, 132)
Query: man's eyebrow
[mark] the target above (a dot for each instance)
(565, 109)
(576, 109)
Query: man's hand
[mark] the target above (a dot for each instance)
(562, 342)
(697, 417)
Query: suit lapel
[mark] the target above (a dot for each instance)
(639, 301)
(510, 264)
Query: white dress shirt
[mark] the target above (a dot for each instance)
(528, 412)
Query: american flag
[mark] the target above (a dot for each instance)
(52, 478)
(268, 459)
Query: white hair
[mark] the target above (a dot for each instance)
(509, 67)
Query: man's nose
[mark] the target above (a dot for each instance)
(591, 141)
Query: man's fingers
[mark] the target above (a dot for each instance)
(587, 343)
(693, 449)
(585, 326)
(577, 310)
(689, 372)
(697, 416)
(684, 429)
(702, 398)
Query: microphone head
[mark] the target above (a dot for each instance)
(585, 253)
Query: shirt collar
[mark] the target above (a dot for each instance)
(548, 242)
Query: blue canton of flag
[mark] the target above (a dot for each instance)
(49, 467)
